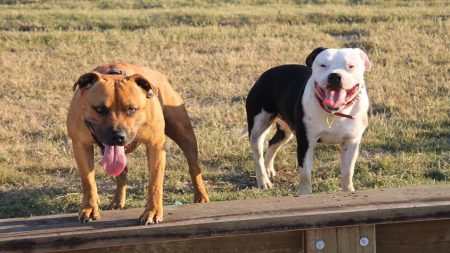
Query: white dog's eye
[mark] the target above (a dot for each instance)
(323, 65)
(350, 66)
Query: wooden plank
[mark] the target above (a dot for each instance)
(116, 228)
(414, 237)
(278, 242)
(368, 231)
(348, 238)
(312, 235)
(327, 235)
(331, 239)
(341, 239)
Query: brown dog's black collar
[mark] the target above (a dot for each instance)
(116, 72)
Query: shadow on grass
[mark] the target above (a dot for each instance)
(382, 110)
(433, 137)
(235, 178)
(37, 201)
(437, 174)
(434, 145)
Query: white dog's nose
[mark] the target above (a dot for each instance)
(334, 80)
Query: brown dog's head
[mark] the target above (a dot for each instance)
(114, 111)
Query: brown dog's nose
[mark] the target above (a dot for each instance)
(118, 138)
(334, 80)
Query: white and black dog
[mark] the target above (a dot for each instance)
(323, 102)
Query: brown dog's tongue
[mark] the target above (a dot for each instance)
(114, 160)
(334, 98)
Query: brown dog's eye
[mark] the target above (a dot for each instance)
(131, 111)
(100, 110)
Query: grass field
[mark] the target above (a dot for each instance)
(213, 51)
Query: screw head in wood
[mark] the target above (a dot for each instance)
(364, 241)
(319, 244)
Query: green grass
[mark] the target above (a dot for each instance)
(213, 51)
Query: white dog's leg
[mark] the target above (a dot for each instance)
(260, 129)
(350, 150)
(282, 136)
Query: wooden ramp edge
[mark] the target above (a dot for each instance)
(264, 218)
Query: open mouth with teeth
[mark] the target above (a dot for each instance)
(114, 159)
(335, 98)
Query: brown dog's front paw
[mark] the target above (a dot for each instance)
(150, 217)
(116, 206)
(88, 214)
(201, 199)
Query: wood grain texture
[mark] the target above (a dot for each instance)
(228, 218)
(327, 235)
(369, 232)
(414, 237)
(277, 242)
(341, 239)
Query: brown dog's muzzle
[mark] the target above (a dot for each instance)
(113, 147)
(115, 138)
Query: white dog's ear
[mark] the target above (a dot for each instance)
(312, 56)
(367, 63)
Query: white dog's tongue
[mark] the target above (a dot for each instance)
(334, 98)
(114, 160)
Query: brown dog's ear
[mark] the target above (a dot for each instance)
(86, 80)
(312, 56)
(150, 89)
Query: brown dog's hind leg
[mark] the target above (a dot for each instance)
(179, 129)
(118, 201)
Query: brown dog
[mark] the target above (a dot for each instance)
(120, 106)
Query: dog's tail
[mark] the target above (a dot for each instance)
(242, 133)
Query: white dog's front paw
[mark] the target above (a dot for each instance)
(271, 173)
(348, 188)
(264, 183)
